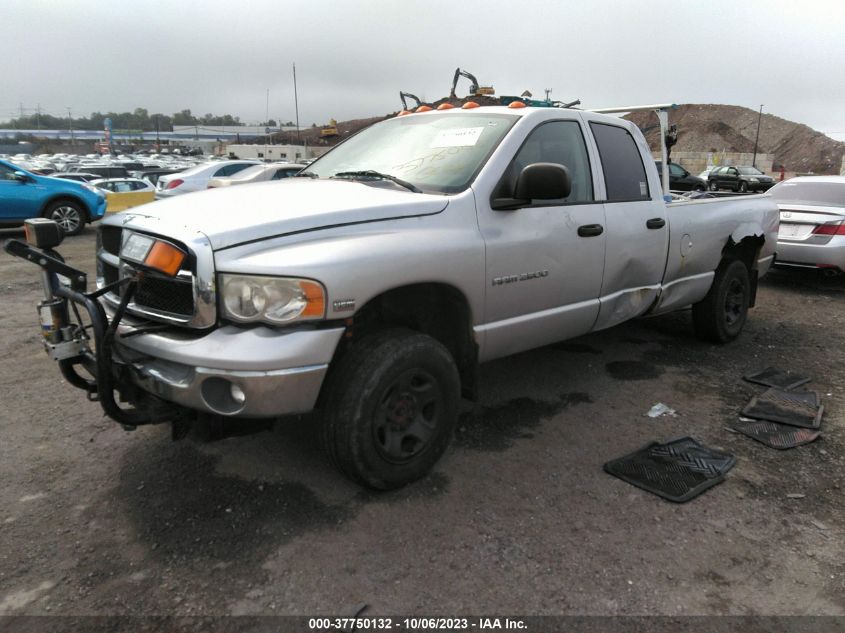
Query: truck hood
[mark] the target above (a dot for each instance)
(233, 215)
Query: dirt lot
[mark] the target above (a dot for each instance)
(517, 518)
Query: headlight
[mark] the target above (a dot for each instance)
(91, 189)
(274, 300)
(754, 179)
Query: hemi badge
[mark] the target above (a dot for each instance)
(343, 306)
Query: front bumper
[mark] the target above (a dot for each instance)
(256, 372)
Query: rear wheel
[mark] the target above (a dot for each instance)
(714, 186)
(68, 214)
(391, 408)
(721, 315)
(699, 188)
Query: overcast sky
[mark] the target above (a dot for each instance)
(353, 57)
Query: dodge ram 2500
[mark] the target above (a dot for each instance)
(372, 286)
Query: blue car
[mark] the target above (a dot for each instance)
(26, 195)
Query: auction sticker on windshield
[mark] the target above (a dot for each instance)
(458, 137)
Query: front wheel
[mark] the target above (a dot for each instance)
(743, 187)
(714, 186)
(391, 408)
(721, 315)
(68, 215)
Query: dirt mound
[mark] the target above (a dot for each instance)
(716, 128)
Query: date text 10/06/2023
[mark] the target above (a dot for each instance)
(414, 624)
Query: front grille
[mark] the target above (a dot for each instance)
(155, 294)
(175, 296)
(110, 236)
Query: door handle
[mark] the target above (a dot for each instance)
(590, 230)
(655, 223)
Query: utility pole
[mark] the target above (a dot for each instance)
(757, 137)
(267, 109)
(70, 127)
(38, 117)
(158, 140)
(296, 104)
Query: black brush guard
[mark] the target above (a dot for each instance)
(108, 375)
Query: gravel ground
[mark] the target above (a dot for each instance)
(517, 518)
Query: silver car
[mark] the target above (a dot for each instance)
(258, 173)
(812, 222)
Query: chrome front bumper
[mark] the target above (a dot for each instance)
(256, 372)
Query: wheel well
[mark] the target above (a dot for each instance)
(86, 214)
(436, 309)
(747, 251)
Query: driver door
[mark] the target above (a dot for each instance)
(544, 261)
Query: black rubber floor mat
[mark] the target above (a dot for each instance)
(679, 470)
(773, 377)
(774, 435)
(797, 408)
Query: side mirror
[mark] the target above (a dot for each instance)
(538, 181)
(21, 176)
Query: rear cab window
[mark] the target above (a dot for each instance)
(622, 164)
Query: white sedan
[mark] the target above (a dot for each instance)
(196, 178)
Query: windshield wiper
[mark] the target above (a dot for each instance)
(306, 174)
(377, 175)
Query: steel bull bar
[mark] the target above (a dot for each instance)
(68, 341)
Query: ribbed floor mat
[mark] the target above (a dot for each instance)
(797, 408)
(773, 377)
(774, 435)
(679, 470)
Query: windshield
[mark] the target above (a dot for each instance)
(831, 194)
(438, 153)
(749, 171)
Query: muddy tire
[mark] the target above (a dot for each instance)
(390, 408)
(68, 214)
(721, 315)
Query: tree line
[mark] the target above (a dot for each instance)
(138, 120)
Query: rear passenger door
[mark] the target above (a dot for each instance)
(637, 232)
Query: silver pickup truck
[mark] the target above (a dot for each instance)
(373, 285)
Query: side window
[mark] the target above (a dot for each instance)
(676, 170)
(284, 173)
(558, 142)
(230, 170)
(624, 173)
(6, 173)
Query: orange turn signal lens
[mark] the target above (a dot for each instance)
(165, 258)
(404, 112)
(314, 297)
(423, 108)
(469, 105)
(516, 104)
(445, 106)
